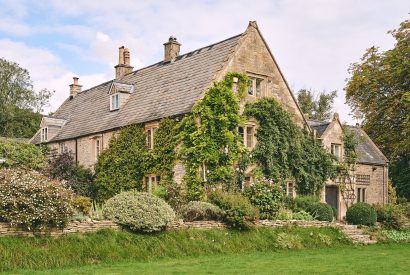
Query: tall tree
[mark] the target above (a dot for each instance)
(20, 105)
(316, 107)
(378, 91)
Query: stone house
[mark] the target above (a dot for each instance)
(370, 176)
(87, 120)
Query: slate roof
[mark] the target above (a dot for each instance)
(161, 90)
(319, 126)
(368, 151)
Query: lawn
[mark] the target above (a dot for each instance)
(374, 259)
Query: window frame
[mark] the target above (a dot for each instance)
(97, 147)
(360, 194)
(151, 181)
(255, 85)
(290, 191)
(62, 147)
(44, 134)
(115, 96)
(243, 132)
(339, 147)
(150, 132)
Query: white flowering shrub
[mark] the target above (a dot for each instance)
(33, 201)
(139, 211)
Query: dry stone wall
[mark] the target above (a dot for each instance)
(94, 226)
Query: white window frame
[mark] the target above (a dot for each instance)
(333, 146)
(243, 132)
(44, 134)
(114, 101)
(255, 86)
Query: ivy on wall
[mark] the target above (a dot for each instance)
(285, 151)
(210, 140)
(122, 166)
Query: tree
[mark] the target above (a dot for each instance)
(378, 91)
(20, 105)
(316, 107)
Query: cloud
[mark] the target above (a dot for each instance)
(313, 41)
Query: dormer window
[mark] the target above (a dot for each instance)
(44, 134)
(115, 102)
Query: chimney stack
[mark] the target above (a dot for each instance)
(171, 49)
(75, 88)
(123, 66)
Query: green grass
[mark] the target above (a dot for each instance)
(374, 259)
(113, 247)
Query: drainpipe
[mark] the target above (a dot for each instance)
(76, 151)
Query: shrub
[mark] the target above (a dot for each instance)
(391, 216)
(361, 214)
(22, 155)
(239, 212)
(201, 211)
(82, 204)
(302, 215)
(32, 201)
(321, 211)
(305, 202)
(174, 195)
(284, 214)
(139, 211)
(75, 177)
(266, 197)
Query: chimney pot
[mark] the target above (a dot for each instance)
(171, 49)
(123, 66)
(75, 88)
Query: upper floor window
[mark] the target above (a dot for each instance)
(62, 147)
(150, 137)
(336, 150)
(44, 134)
(115, 102)
(247, 134)
(98, 147)
(255, 87)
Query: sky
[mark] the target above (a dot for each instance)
(313, 41)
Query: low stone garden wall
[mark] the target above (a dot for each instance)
(93, 226)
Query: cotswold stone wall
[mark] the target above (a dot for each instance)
(72, 227)
(93, 226)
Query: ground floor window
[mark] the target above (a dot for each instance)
(290, 189)
(361, 195)
(151, 182)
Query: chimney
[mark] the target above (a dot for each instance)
(335, 116)
(123, 66)
(171, 49)
(75, 88)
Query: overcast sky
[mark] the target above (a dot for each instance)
(313, 41)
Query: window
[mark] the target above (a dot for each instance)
(363, 179)
(255, 87)
(97, 148)
(44, 134)
(151, 182)
(247, 134)
(62, 147)
(336, 150)
(290, 189)
(361, 195)
(150, 137)
(115, 102)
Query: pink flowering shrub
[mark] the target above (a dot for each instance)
(32, 201)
